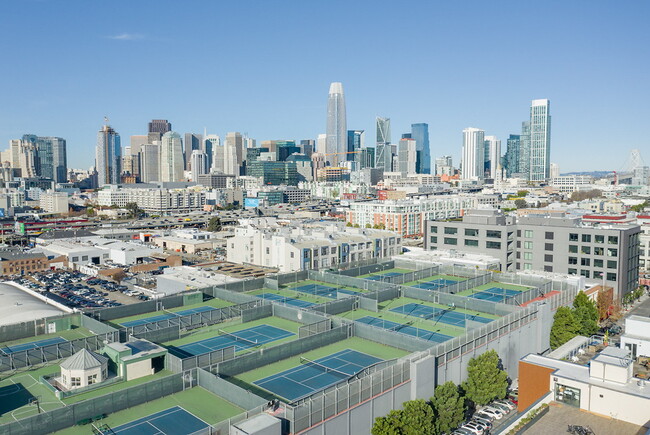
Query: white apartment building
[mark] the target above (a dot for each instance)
(407, 217)
(54, 202)
(572, 183)
(644, 242)
(300, 247)
(153, 200)
(636, 338)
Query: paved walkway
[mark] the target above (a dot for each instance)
(560, 416)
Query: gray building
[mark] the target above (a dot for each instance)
(193, 142)
(605, 253)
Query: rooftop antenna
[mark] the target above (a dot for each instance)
(105, 120)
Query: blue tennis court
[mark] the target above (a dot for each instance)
(449, 317)
(166, 316)
(286, 299)
(435, 284)
(243, 339)
(380, 276)
(172, 421)
(495, 294)
(323, 290)
(312, 376)
(32, 345)
(404, 328)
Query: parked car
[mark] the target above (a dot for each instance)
(507, 403)
(493, 412)
(474, 428)
(503, 408)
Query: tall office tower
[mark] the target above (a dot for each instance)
(26, 157)
(383, 152)
(493, 152)
(248, 143)
(356, 141)
(108, 156)
(321, 144)
(199, 164)
(193, 142)
(420, 132)
(407, 156)
(540, 140)
(285, 148)
(444, 166)
(209, 147)
(512, 155)
(158, 127)
(524, 150)
(149, 162)
(317, 162)
(307, 147)
(171, 157)
(472, 164)
(336, 125)
(554, 170)
(233, 153)
(137, 141)
(50, 160)
(366, 158)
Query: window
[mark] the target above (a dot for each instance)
(75, 381)
(612, 252)
(585, 262)
(451, 241)
(528, 245)
(612, 240)
(268, 251)
(548, 258)
(333, 250)
(84, 258)
(548, 268)
(518, 255)
(599, 239)
(584, 273)
(573, 249)
(92, 379)
(548, 235)
(585, 249)
(434, 229)
(599, 251)
(598, 274)
(528, 234)
(493, 245)
(518, 244)
(493, 234)
(471, 242)
(291, 255)
(611, 264)
(471, 232)
(611, 276)
(586, 238)
(573, 237)
(573, 260)
(568, 395)
(434, 239)
(528, 266)
(528, 255)
(75, 259)
(518, 233)
(323, 250)
(598, 263)
(548, 246)
(449, 230)
(573, 271)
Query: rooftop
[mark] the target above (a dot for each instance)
(19, 306)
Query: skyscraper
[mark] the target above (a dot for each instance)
(193, 142)
(472, 164)
(149, 162)
(233, 153)
(50, 159)
(108, 156)
(156, 129)
(540, 140)
(493, 153)
(307, 147)
(199, 164)
(407, 156)
(420, 132)
(383, 153)
(212, 148)
(336, 125)
(171, 157)
(512, 155)
(356, 141)
(524, 150)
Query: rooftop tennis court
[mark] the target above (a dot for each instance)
(172, 421)
(382, 274)
(167, 315)
(404, 328)
(288, 300)
(494, 294)
(311, 376)
(448, 316)
(323, 290)
(31, 345)
(242, 339)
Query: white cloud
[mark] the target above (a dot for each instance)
(126, 37)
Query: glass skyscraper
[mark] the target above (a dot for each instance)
(384, 150)
(336, 145)
(540, 140)
(512, 155)
(473, 158)
(50, 158)
(108, 156)
(420, 132)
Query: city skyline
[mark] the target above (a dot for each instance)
(71, 102)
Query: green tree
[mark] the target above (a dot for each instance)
(486, 381)
(368, 226)
(448, 407)
(520, 203)
(391, 424)
(214, 224)
(133, 209)
(349, 224)
(586, 313)
(639, 207)
(565, 327)
(522, 193)
(417, 418)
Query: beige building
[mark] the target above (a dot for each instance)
(82, 369)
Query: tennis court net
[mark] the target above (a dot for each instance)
(238, 338)
(324, 368)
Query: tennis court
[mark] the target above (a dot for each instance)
(404, 328)
(380, 276)
(435, 284)
(167, 315)
(323, 290)
(286, 300)
(495, 294)
(242, 339)
(442, 315)
(312, 376)
(172, 421)
(32, 345)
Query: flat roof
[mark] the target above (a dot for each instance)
(19, 306)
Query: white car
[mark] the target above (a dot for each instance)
(493, 412)
(507, 403)
(484, 416)
(501, 407)
(474, 428)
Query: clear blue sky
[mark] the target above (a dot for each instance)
(264, 67)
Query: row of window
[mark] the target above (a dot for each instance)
(548, 235)
(611, 264)
(469, 232)
(598, 238)
(473, 243)
(611, 252)
(610, 276)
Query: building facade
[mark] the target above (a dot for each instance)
(420, 132)
(473, 155)
(108, 156)
(171, 157)
(540, 140)
(336, 131)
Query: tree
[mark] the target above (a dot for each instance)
(586, 314)
(565, 327)
(134, 210)
(349, 224)
(522, 193)
(368, 226)
(448, 407)
(520, 203)
(485, 379)
(639, 207)
(603, 302)
(214, 224)
(417, 418)
(391, 424)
